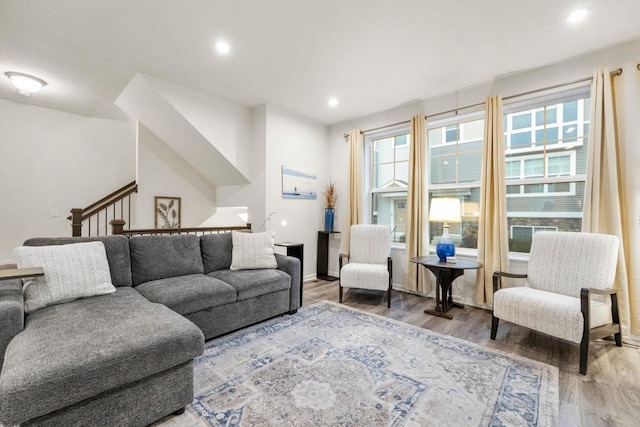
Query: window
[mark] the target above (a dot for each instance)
(523, 234)
(546, 143)
(523, 168)
(455, 158)
(545, 166)
(388, 154)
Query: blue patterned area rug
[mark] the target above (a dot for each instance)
(331, 365)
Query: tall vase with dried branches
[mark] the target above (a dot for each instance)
(330, 195)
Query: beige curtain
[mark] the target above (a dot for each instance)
(356, 160)
(493, 240)
(417, 219)
(604, 210)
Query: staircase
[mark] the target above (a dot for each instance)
(97, 217)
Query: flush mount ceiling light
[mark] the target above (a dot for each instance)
(333, 102)
(25, 83)
(577, 16)
(223, 47)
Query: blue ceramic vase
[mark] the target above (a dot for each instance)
(328, 219)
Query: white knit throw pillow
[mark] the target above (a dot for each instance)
(74, 271)
(252, 251)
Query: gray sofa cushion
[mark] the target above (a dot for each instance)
(117, 248)
(159, 257)
(11, 312)
(188, 294)
(216, 251)
(253, 283)
(124, 338)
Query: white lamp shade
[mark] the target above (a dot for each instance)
(445, 210)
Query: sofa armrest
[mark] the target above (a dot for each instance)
(11, 312)
(292, 267)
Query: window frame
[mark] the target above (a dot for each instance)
(368, 189)
(573, 146)
(444, 124)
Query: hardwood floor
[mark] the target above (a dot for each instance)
(609, 395)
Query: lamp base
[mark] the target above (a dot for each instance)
(445, 248)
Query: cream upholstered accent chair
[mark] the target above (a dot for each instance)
(565, 270)
(369, 260)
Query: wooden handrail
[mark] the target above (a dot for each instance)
(99, 210)
(132, 187)
(152, 231)
(86, 214)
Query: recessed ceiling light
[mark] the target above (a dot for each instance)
(25, 83)
(333, 102)
(577, 16)
(223, 47)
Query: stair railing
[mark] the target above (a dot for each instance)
(116, 206)
(118, 228)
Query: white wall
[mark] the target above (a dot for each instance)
(191, 124)
(54, 160)
(626, 56)
(225, 125)
(299, 143)
(251, 195)
(162, 172)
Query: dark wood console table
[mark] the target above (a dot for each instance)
(445, 274)
(322, 263)
(295, 250)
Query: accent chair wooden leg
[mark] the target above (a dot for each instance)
(584, 355)
(180, 411)
(586, 329)
(618, 337)
(340, 295)
(494, 326)
(390, 270)
(616, 319)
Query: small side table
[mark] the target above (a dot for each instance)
(322, 263)
(445, 274)
(295, 250)
(20, 273)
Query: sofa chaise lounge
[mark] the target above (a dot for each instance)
(126, 358)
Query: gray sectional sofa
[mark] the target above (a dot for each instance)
(127, 358)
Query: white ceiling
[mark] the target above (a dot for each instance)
(370, 54)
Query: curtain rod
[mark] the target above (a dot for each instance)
(617, 72)
(517, 95)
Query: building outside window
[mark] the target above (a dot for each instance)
(545, 164)
(388, 154)
(455, 156)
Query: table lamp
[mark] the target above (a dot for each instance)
(445, 210)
